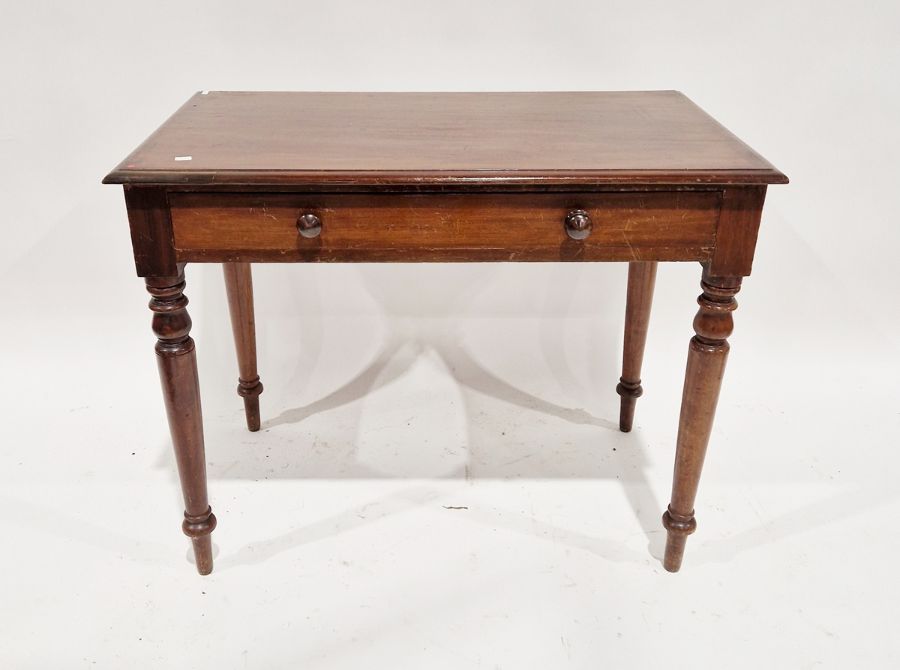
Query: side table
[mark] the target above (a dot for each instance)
(638, 177)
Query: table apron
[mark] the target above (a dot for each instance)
(431, 227)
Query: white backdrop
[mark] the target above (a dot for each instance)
(796, 507)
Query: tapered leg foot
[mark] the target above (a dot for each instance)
(677, 530)
(199, 529)
(707, 354)
(177, 362)
(630, 392)
(203, 554)
(641, 281)
(251, 409)
(239, 287)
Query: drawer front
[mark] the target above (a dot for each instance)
(444, 227)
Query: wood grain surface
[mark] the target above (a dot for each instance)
(243, 138)
(442, 227)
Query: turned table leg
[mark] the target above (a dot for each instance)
(641, 280)
(707, 354)
(178, 374)
(239, 286)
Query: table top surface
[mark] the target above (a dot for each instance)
(421, 139)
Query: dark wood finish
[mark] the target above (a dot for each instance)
(645, 137)
(441, 227)
(737, 230)
(239, 287)
(707, 354)
(641, 281)
(640, 177)
(181, 392)
(151, 231)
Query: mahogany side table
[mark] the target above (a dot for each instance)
(639, 177)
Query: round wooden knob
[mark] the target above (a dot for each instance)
(309, 225)
(578, 224)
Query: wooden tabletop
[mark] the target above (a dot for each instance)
(638, 137)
